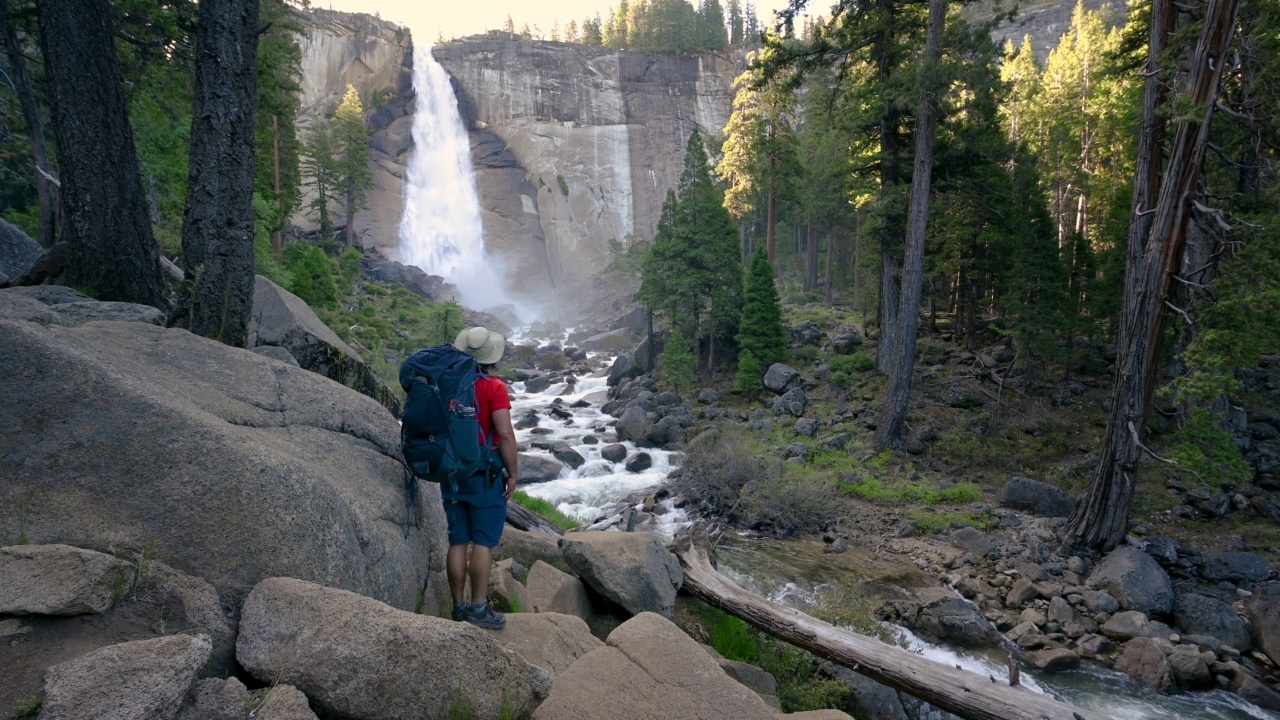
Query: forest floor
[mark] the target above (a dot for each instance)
(974, 424)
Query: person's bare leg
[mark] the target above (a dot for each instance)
(456, 569)
(481, 562)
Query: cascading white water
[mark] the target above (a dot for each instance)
(440, 230)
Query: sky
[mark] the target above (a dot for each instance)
(457, 18)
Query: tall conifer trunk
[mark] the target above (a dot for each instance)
(1100, 519)
(891, 236)
(35, 131)
(217, 225)
(893, 419)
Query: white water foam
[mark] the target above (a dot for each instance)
(598, 485)
(440, 230)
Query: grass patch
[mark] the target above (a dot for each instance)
(27, 709)
(799, 687)
(876, 490)
(928, 522)
(545, 509)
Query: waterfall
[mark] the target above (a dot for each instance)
(440, 230)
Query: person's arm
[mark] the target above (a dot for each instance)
(506, 435)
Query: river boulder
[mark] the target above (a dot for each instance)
(633, 570)
(537, 468)
(1035, 497)
(1144, 661)
(139, 679)
(614, 452)
(943, 616)
(634, 424)
(650, 669)
(1263, 611)
(59, 580)
(356, 657)
(1201, 615)
(230, 465)
(527, 548)
(283, 319)
(624, 367)
(1135, 580)
(548, 640)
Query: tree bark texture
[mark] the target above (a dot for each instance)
(902, 345)
(891, 230)
(217, 224)
(113, 252)
(954, 690)
(522, 518)
(1100, 518)
(35, 130)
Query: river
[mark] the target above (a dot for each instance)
(794, 571)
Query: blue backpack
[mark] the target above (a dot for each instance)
(440, 432)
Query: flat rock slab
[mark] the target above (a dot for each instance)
(59, 580)
(551, 641)
(356, 657)
(139, 679)
(633, 570)
(548, 590)
(650, 670)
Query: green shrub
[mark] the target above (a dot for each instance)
(803, 355)
(564, 185)
(876, 490)
(750, 377)
(930, 352)
(801, 500)
(931, 522)
(311, 275)
(678, 363)
(1202, 446)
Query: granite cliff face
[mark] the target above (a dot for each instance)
(575, 145)
(376, 56)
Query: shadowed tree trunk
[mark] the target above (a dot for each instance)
(902, 345)
(106, 224)
(891, 237)
(35, 131)
(1100, 519)
(217, 225)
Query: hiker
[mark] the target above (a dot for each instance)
(477, 515)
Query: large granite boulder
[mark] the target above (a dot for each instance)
(70, 310)
(549, 590)
(18, 252)
(634, 424)
(1263, 611)
(650, 669)
(551, 641)
(283, 319)
(943, 616)
(633, 570)
(139, 679)
(230, 465)
(1035, 497)
(1144, 661)
(356, 657)
(781, 378)
(537, 468)
(59, 580)
(528, 548)
(1201, 615)
(1238, 567)
(1135, 580)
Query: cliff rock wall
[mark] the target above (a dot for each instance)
(575, 145)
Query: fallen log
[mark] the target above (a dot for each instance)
(522, 518)
(957, 691)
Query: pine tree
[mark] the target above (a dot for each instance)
(750, 377)
(319, 165)
(591, 31)
(760, 334)
(679, 366)
(509, 26)
(735, 22)
(351, 143)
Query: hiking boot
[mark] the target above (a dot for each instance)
(482, 615)
(459, 611)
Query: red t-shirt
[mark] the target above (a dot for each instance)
(491, 395)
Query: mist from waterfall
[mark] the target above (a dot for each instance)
(440, 230)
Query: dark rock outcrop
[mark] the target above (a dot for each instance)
(1135, 580)
(1035, 497)
(18, 252)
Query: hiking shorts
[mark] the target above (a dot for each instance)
(480, 524)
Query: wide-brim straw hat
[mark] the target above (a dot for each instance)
(483, 344)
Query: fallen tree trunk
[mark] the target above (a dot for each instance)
(522, 518)
(957, 691)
